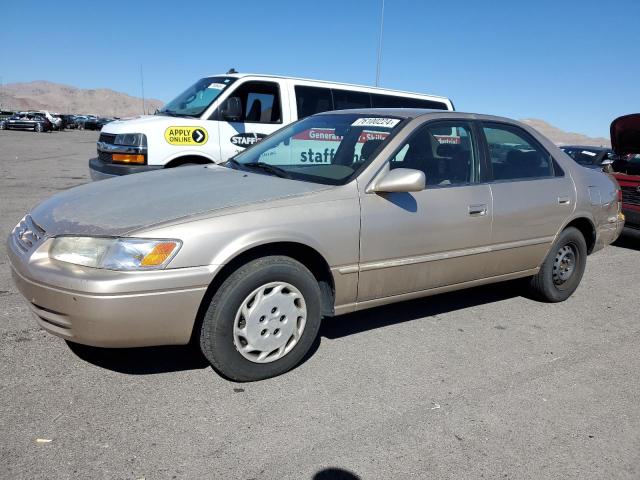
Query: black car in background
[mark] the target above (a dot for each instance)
(590, 157)
(89, 122)
(27, 121)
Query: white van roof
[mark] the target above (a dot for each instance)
(328, 82)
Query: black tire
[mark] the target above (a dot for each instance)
(216, 334)
(562, 269)
(38, 128)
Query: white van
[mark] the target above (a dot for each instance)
(221, 115)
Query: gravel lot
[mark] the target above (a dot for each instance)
(478, 384)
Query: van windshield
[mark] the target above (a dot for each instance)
(329, 148)
(197, 98)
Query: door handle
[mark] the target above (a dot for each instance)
(477, 210)
(564, 200)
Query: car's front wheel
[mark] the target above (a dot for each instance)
(38, 128)
(562, 269)
(262, 320)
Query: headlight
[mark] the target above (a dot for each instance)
(131, 139)
(114, 253)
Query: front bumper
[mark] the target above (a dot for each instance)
(106, 308)
(100, 170)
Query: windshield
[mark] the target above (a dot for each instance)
(327, 149)
(197, 98)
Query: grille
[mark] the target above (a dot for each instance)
(105, 157)
(631, 195)
(28, 233)
(107, 138)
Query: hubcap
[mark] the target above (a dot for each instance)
(564, 264)
(269, 322)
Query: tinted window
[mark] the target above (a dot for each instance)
(345, 99)
(514, 155)
(310, 100)
(391, 101)
(260, 102)
(444, 159)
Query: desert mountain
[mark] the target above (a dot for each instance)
(55, 97)
(560, 137)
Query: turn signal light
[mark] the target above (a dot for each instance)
(159, 254)
(127, 158)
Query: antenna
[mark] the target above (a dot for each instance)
(380, 46)
(142, 85)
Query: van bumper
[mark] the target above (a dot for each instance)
(100, 170)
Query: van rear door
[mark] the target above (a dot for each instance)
(264, 108)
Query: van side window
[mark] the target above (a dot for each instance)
(515, 155)
(392, 101)
(443, 151)
(260, 102)
(311, 100)
(345, 99)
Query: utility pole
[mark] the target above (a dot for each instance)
(142, 85)
(380, 46)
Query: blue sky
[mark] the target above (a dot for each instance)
(573, 63)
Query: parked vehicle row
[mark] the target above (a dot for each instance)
(16, 120)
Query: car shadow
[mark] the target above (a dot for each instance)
(143, 360)
(629, 239)
(358, 322)
(165, 359)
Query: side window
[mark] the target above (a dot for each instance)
(514, 155)
(345, 99)
(260, 102)
(310, 100)
(444, 159)
(391, 101)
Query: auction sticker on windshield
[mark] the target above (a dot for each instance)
(186, 135)
(376, 122)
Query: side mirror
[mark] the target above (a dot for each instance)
(401, 180)
(232, 109)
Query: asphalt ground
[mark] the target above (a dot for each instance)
(483, 383)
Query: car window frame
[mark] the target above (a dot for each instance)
(556, 171)
(217, 116)
(478, 153)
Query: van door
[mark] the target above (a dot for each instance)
(264, 109)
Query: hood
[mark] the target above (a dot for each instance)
(121, 205)
(144, 122)
(625, 134)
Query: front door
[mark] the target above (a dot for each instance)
(416, 241)
(262, 114)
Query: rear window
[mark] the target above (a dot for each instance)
(583, 156)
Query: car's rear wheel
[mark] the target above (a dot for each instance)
(262, 320)
(38, 127)
(562, 269)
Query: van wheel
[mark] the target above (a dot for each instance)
(263, 319)
(562, 269)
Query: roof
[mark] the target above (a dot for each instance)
(422, 112)
(341, 84)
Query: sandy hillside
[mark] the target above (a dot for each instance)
(55, 97)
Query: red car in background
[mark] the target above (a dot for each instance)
(625, 142)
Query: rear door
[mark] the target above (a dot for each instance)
(264, 110)
(532, 198)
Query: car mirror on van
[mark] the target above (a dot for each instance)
(401, 180)
(232, 109)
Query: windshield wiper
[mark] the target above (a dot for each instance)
(277, 171)
(232, 163)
